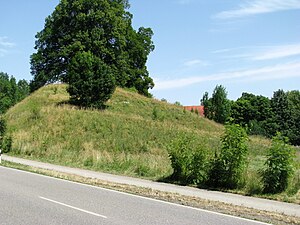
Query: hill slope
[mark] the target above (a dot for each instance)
(129, 137)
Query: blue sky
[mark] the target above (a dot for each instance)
(246, 45)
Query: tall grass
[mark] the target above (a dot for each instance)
(126, 138)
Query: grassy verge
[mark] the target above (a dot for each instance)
(260, 215)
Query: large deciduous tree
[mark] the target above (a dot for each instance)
(102, 29)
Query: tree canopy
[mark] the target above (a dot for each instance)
(252, 111)
(217, 107)
(259, 114)
(11, 91)
(101, 29)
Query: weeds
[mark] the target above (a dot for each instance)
(188, 160)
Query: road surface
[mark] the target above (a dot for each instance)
(27, 198)
(234, 199)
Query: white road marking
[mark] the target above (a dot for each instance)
(72, 207)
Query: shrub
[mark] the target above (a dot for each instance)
(5, 141)
(226, 169)
(6, 144)
(279, 165)
(189, 163)
(2, 127)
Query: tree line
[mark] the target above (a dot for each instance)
(11, 91)
(258, 114)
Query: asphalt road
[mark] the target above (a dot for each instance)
(27, 198)
(234, 199)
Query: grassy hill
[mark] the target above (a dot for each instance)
(129, 137)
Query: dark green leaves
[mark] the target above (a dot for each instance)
(11, 91)
(217, 107)
(101, 28)
(91, 82)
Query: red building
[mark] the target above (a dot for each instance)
(195, 108)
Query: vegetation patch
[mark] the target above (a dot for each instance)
(126, 138)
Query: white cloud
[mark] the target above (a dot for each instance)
(4, 43)
(279, 71)
(259, 53)
(4, 46)
(196, 62)
(276, 52)
(249, 8)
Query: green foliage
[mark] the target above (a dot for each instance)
(263, 116)
(102, 29)
(279, 165)
(206, 102)
(123, 139)
(6, 144)
(257, 128)
(91, 82)
(189, 162)
(285, 118)
(158, 114)
(11, 92)
(5, 141)
(227, 168)
(251, 110)
(177, 103)
(217, 107)
(155, 113)
(221, 105)
(2, 127)
(294, 125)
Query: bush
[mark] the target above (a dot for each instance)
(2, 127)
(5, 141)
(6, 144)
(279, 165)
(226, 169)
(189, 162)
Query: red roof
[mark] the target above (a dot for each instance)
(199, 108)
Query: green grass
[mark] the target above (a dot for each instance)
(130, 137)
(125, 138)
